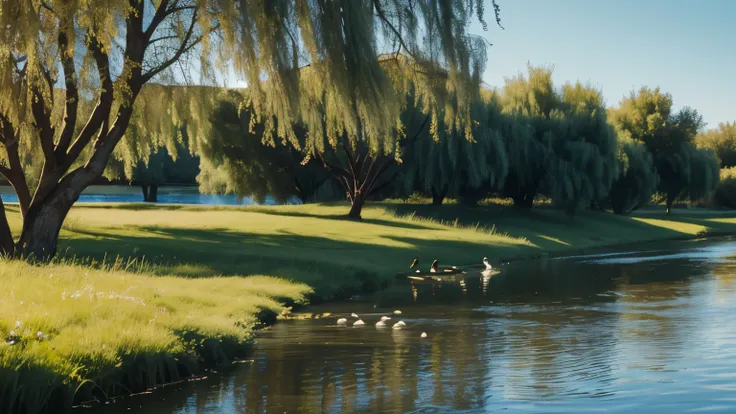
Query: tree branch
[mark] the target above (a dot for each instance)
(101, 112)
(72, 95)
(157, 18)
(185, 47)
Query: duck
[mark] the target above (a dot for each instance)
(385, 318)
(380, 324)
(435, 266)
(359, 322)
(423, 335)
(399, 325)
(414, 263)
(342, 321)
(354, 315)
(488, 265)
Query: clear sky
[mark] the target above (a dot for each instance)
(688, 48)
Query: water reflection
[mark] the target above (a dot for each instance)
(581, 334)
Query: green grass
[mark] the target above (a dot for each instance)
(316, 245)
(70, 329)
(142, 294)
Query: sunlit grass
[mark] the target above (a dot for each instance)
(106, 332)
(141, 294)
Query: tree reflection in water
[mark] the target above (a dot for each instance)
(635, 332)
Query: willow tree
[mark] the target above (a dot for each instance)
(236, 161)
(583, 163)
(156, 169)
(105, 53)
(637, 177)
(455, 165)
(533, 101)
(722, 141)
(670, 136)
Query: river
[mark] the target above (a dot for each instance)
(166, 195)
(624, 332)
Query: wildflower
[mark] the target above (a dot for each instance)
(11, 342)
(21, 302)
(17, 324)
(12, 333)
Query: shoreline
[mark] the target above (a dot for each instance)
(315, 246)
(298, 308)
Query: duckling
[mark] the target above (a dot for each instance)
(399, 325)
(488, 265)
(414, 263)
(435, 266)
(342, 321)
(359, 323)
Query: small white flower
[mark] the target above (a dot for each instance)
(17, 324)
(39, 334)
(12, 333)
(11, 342)
(21, 302)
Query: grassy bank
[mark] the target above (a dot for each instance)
(70, 329)
(314, 244)
(178, 296)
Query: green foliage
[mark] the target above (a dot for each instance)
(725, 193)
(583, 164)
(455, 165)
(237, 160)
(683, 169)
(637, 179)
(558, 141)
(704, 174)
(722, 141)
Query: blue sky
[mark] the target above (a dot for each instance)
(688, 48)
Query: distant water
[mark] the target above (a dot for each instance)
(166, 195)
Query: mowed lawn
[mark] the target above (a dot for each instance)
(316, 245)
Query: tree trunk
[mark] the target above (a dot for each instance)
(153, 193)
(357, 207)
(6, 237)
(437, 198)
(42, 225)
(144, 188)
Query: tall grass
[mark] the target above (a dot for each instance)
(71, 333)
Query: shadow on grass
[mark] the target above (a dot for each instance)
(335, 268)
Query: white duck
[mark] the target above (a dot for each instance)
(358, 323)
(488, 265)
(385, 318)
(354, 315)
(342, 321)
(399, 325)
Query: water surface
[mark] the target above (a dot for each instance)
(166, 195)
(625, 332)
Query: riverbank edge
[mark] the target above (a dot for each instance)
(267, 318)
(378, 281)
(348, 291)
